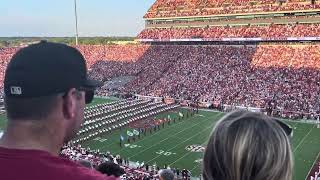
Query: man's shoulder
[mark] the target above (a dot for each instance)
(67, 170)
(48, 167)
(82, 173)
(71, 170)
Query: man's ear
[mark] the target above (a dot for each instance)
(69, 104)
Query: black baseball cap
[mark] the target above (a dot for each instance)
(45, 69)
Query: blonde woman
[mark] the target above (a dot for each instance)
(248, 146)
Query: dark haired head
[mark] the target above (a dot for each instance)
(110, 168)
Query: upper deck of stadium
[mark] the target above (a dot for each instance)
(232, 20)
(163, 9)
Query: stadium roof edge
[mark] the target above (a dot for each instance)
(237, 14)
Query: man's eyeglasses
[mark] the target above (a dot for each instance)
(89, 94)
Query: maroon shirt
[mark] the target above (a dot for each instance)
(18, 164)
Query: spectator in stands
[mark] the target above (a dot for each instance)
(111, 169)
(45, 93)
(166, 174)
(248, 146)
(270, 32)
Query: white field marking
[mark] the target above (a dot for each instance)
(303, 139)
(200, 115)
(184, 140)
(140, 140)
(312, 165)
(185, 155)
(165, 139)
(181, 142)
(195, 167)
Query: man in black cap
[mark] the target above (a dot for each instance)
(46, 89)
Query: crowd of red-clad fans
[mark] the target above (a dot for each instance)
(174, 8)
(249, 76)
(117, 165)
(5, 56)
(94, 53)
(270, 32)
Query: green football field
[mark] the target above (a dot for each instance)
(168, 146)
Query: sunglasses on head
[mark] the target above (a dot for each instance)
(287, 129)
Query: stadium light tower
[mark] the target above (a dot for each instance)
(76, 16)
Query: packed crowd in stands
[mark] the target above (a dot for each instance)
(285, 74)
(5, 56)
(234, 75)
(128, 53)
(169, 8)
(77, 153)
(129, 170)
(196, 72)
(269, 32)
(232, 20)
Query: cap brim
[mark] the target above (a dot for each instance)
(92, 84)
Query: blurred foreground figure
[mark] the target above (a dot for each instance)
(46, 89)
(248, 146)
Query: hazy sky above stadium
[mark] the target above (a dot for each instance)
(56, 17)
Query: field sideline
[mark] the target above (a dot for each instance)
(167, 146)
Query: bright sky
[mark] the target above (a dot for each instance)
(56, 17)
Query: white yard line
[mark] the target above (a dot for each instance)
(181, 142)
(140, 140)
(210, 127)
(195, 168)
(313, 165)
(186, 154)
(168, 138)
(303, 139)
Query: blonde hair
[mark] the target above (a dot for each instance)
(247, 146)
